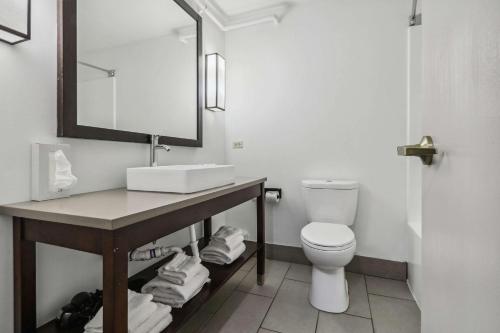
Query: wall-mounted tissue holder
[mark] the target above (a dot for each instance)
(51, 175)
(273, 194)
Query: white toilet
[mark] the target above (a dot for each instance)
(327, 240)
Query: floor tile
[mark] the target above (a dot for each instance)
(263, 330)
(196, 322)
(275, 272)
(387, 287)
(242, 313)
(341, 323)
(216, 302)
(358, 297)
(300, 273)
(247, 267)
(393, 315)
(291, 311)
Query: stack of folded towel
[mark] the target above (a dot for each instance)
(178, 281)
(225, 246)
(144, 315)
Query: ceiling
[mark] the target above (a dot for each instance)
(237, 7)
(103, 24)
(111, 23)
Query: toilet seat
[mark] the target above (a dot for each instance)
(328, 236)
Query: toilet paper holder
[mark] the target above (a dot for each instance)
(273, 189)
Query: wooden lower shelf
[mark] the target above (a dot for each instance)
(218, 275)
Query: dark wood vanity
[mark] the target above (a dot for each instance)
(110, 224)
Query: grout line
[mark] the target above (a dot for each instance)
(317, 322)
(353, 315)
(297, 280)
(274, 298)
(369, 305)
(402, 299)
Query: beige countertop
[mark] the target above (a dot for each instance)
(113, 209)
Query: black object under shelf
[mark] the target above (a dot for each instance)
(218, 275)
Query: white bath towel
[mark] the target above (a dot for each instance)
(183, 272)
(174, 294)
(157, 322)
(228, 234)
(140, 308)
(229, 245)
(215, 254)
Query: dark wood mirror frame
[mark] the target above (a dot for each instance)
(67, 85)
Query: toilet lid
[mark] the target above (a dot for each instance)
(327, 234)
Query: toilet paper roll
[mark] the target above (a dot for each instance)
(272, 196)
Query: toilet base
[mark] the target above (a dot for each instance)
(329, 290)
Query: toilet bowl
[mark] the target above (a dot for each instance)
(328, 242)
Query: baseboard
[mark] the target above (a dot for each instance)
(388, 269)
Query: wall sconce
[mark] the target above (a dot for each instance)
(15, 21)
(215, 82)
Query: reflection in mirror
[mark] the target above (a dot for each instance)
(137, 68)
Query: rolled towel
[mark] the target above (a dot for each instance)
(174, 264)
(173, 294)
(140, 308)
(214, 254)
(227, 234)
(183, 273)
(230, 245)
(157, 322)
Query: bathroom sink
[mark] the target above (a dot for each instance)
(179, 178)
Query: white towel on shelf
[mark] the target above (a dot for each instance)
(182, 272)
(215, 254)
(229, 245)
(140, 308)
(157, 322)
(227, 234)
(173, 294)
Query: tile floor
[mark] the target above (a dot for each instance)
(281, 305)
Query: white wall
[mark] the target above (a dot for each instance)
(27, 115)
(324, 95)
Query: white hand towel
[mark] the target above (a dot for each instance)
(230, 245)
(174, 264)
(216, 255)
(140, 308)
(227, 234)
(174, 294)
(185, 272)
(157, 322)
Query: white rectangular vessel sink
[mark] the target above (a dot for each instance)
(180, 178)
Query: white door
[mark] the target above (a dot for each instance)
(461, 192)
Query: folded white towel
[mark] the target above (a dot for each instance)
(174, 294)
(157, 322)
(140, 308)
(174, 264)
(229, 245)
(215, 254)
(227, 234)
(182, 272)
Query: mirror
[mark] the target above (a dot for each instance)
(131, 70)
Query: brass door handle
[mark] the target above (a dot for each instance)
(425, 150)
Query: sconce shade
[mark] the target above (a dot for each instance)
(215, 82)
(15, 21)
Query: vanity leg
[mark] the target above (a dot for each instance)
(207, 229)
(24, 280)
(261, 236)
(115, 284)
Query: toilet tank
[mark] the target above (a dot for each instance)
(334, 201)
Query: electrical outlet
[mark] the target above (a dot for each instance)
(238, 145)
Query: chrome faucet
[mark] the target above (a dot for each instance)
(153, 161)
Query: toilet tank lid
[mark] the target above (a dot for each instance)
(336, 184)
